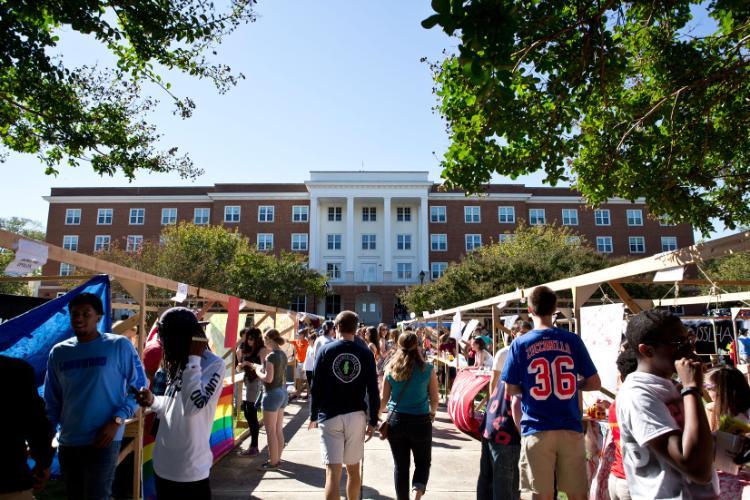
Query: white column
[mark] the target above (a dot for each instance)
(349, 238)
(424, 237)
(314, 237)
(387, 242)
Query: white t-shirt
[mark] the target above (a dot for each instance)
(649, 406)
(182, 451)
(310, 358)
(500, 357)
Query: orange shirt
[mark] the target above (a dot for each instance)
(300, 347)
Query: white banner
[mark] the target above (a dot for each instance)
(601, 331)
(456, 326)
(29, 257)
(182, 293)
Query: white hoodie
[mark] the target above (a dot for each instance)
(182, 450)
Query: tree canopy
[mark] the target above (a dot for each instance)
(96, 115)
(622, 99)
(213, 258)
(535, 255)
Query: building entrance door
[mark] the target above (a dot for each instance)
(369, 308)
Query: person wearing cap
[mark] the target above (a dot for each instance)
(88, 390)
(182, 453)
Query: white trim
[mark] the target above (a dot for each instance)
(479, 197)
(259, 196)
(127, 199)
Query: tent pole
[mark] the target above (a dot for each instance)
(138, 449)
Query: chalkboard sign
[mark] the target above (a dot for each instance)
(704, 334)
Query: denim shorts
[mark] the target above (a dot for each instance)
(274, 400)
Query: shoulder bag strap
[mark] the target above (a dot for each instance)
(400, 395)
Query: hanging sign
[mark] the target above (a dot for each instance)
(29, 257)
(182, 293)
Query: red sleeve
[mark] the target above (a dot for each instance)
(152, 357)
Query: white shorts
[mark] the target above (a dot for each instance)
(342, 438)
(299, 371)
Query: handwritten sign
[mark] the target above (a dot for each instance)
(29, 257)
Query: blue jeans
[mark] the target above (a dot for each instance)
(88, 472)
(498, 471)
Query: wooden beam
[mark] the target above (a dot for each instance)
(261, 320)
(132, 307)
(69, 277)
(625, 297)
(702, 299)
(126, 324)
(738, 242)
(687, 281)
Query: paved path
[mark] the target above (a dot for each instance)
(455, 466)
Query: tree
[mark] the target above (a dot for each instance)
(620, 98)
(29, 229)
(732, 267)
(96, 115)
(213, 258)
(535, 255)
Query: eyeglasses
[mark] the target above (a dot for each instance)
(679, 343)
(709, 387)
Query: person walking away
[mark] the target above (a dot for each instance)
(272, 372)
(543, 366)
(87, 391)
(182, 454)
(344, 373)
(25, 426)
(410, 393)
(667, 447)
(328, 336)
(300, 353)
(250, 351)
(743, 347)
(310, 361)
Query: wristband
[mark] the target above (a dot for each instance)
(691, 390)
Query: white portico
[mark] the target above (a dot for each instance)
(369, 227)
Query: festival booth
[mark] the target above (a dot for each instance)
(32, 334)
(596, 306)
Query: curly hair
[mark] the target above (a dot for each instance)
(406, 358)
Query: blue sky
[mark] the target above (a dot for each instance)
(335, 85)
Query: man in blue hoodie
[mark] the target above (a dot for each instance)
(89, 390)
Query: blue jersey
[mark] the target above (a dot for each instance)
(546, 364)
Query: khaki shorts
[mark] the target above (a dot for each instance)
(342, 438)
(544, 454)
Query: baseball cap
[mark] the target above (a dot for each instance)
(180, 318)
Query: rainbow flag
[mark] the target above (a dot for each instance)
(222, 439)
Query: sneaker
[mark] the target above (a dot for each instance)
(268, 466)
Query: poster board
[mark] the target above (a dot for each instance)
(601, 331)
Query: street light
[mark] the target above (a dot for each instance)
(421, 277)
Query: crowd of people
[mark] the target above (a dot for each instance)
(361, 380)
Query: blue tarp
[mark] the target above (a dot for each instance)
(32, 335)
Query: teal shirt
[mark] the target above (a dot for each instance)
(416, 399)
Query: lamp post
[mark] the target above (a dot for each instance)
(421, 277)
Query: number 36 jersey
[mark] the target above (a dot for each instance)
(546, 364)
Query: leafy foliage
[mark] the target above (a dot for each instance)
(96, 115)
(213, 258)
(29, 229)
(732, 267)
(620, 98)
(535, 255)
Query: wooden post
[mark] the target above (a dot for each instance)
(580, 295)
(138, 448)
(495, 321)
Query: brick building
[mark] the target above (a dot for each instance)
(372, 233)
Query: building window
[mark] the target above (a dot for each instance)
(333, 305)
(569, 217)
(104, 216)
(265, 213)
(137, 216)
(439, 242)
(334, 214)
(472, 215)
(231, 213)
(473, 241)
(637, 244)
(665, 222)
(265, 241)
(299, 242)
(102, 242)
(437, 215)
(201, 216)
(503, 237)
(72, 216)
(334, 242)
(300, 213)
(66, 269)
(403, 214)
(333, 270)
(403, 242)
(601, 217)
(437, 269)
(369, 214)
(536, 217)
(668, 243)
(604, 244)
(403, 271)
(133, 243)
(70, 242)
(368, 242)
(168, 216)
(299, 303)
(506, 215)
(635, 217)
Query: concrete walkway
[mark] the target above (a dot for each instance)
(455, 466)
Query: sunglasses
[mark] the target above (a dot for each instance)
(679, 343)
